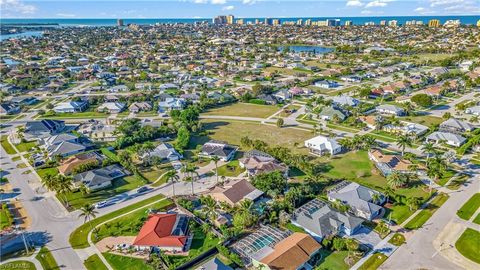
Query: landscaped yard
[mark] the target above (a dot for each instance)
(457, 182)
(45, 171)
(231, 169)
(78, 238)
(130, 224)
(373, 262)
(94, 263)
(7, 146)
(26, 146)
(294, 228)
(469, 244)
(6, 218)
(46, 259)
(244, 110)
(446, 176)
(77, 199)
(470, 207)
(232, 131)
(424, 215)
(118, 262)
(333, 260)
(16, 265)
(397, 239)
(200, 244)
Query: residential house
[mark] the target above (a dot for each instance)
(320, 220)
(9, 108)
(98, 130)
(326, 84)
(360, 199)
(345, 100)
(257, 162)
(43, 128)
(329, 113)
(389, 163)
(171, 104)
(283, 95)
(269, 99)
(100, 178)
(390, 109)
(218, 148)
(68, 165)
(168, 232)
(137, 107)
(112, 107)
(64, 144)
(446, 137)
(164, 151)
(320, 145)
(406, 128)
(233, 192)
(27, 101)
(214, 264)
(456, 126)
(296, 251)
(71, 106)
(475, 110)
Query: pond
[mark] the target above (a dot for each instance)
(307, 48)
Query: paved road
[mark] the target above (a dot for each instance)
(450, 107)
(419, 251)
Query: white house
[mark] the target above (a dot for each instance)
(171, 104)
(449, 138)
(327, 84)
(321, 144)
(112, 107)
(71, 107)
(475, 110)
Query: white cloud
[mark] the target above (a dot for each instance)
(228, 8)
(376, 3)
(423, 11)
(354, 3)
(435, 3)
(200, 1)
(17, 6)
(249, 2)
(66, 15)
(218, 2)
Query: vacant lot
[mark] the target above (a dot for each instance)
(244, 110)
(469, 245)
(469, 208)
(124, 262)
(426, 120)
(232, 131)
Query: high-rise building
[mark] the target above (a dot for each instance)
(240, 21)
(230, 19)
(333, 22)
(392, 23)
(120, 22)
(370, 23)
(308, 22)
(276, 22)
(452, 23)
(257, 21)
(383, 22)
(348, 23)
(222, 19)
(268, 21)
(478, 23)
(434, 23)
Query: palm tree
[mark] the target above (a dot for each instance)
(389, 192)
(209, 207)
(428, 148)
(88, 212)
(376, 197)
(403, 141)
(173, 177)
(50, 182)
(413, 203)
(191, 180)
(215, 160)
(395, 180)
(64, 186)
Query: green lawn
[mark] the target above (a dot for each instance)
(457, 182)
(78, 238)
(342, 128)
(200, 244)
(400, 213)
(6, 218)
(94, 263)
(244, 110)
(232, 131)
(373, 262)
(469, 245)
(231, 169)
(118, 262)
(130, 224)
(18, 265)
(470, 207)
(294, 228)
(424, 215)
(426, 120)
(46, 259)
(397, 239)
(477, 219)
(45, 171)
(77, 115)
(333, 260)
(446, 176)
(7, 146)
(77, 199)
(26, 146)
(111, 155)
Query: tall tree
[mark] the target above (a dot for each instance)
(403, 142)
(215, 160)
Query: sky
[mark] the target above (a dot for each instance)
(239, 8)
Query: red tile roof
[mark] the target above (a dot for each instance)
(157, 231)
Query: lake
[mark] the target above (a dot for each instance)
(25, 34)
(306, 48)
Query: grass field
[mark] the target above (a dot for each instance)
(6, 218)
(16, 265)
(233, 131)
(118, 262)
(373, 262)
(78, 238)
(426, 120)
(469, 245)
(231, 169)
(244, 110)
(77, 115)
(26, 146)
(130, 224)
(77, 199)
(333, 260)
(469, 208)
(46, 259)
(294, 228)
(45, 171)
(397, 239)
(7, 146)
(94, 263)
(424, 215)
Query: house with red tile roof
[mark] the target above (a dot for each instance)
(165, 231)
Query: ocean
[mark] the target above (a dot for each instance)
(355, 20)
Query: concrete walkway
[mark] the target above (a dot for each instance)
(30, 258)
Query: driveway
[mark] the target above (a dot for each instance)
(367, 237)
